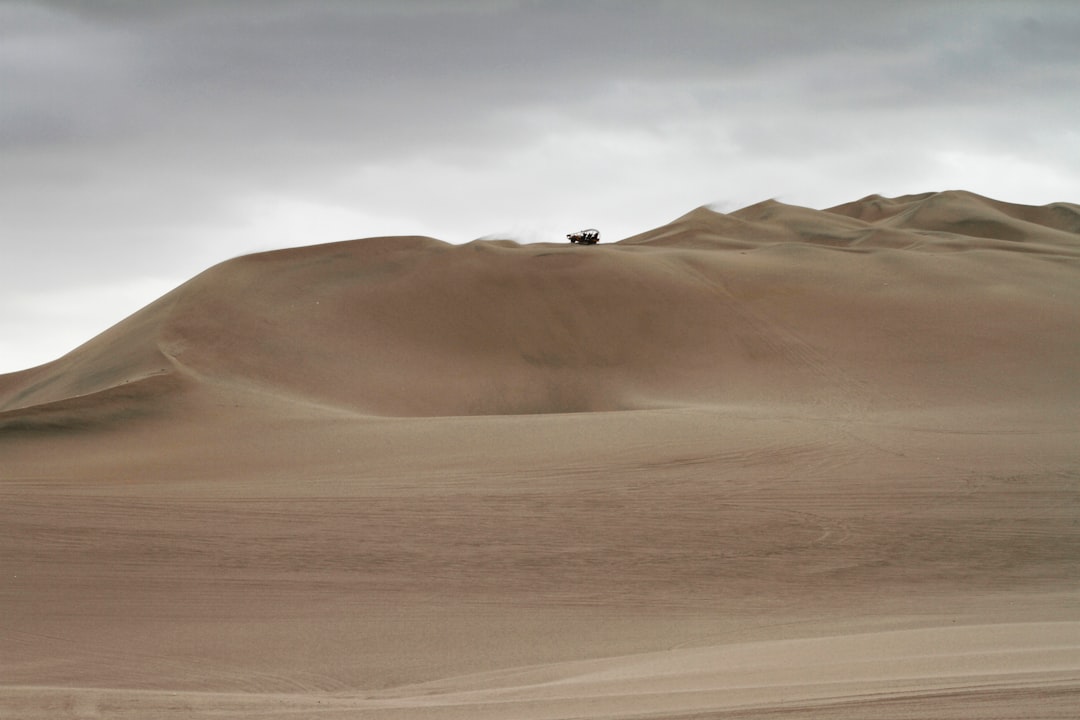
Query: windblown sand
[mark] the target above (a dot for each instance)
(780, 463)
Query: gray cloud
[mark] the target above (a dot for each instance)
(145, 141)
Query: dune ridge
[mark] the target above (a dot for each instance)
(416, 327)
(774, 463)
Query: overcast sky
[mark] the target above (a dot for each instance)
(143, 141)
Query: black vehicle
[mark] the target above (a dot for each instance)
(585, 237)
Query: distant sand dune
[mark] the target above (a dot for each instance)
(775, 463)
(761, 305)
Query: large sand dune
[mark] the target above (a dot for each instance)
(774, 463)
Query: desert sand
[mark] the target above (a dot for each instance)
(780, 462)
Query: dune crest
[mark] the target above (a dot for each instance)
(766, 304)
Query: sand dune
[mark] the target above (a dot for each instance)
(777, 462)
(816, 306)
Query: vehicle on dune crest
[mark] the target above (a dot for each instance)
(591, 236)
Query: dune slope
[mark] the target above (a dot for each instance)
(934, 297)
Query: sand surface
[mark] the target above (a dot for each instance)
(778, 463)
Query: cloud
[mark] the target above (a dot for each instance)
(155, 137)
